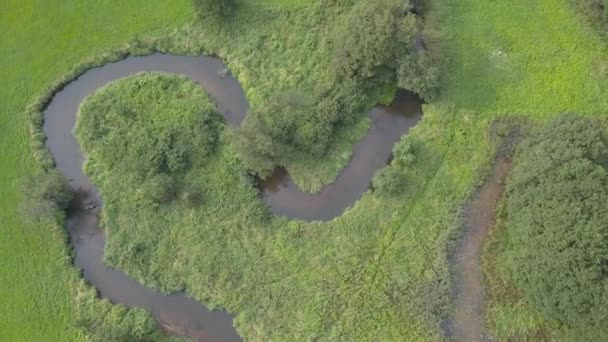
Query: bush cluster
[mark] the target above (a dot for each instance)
(556, 224)
(46, 196)
(150, 133)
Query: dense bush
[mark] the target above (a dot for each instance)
(389, 181)
(127, 117)
(403, 153)
(557, 220)
(378, 39)
(45, 195)
(295, 120)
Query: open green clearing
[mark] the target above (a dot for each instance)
(380, 271)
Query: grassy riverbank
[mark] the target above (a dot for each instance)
(39, 41)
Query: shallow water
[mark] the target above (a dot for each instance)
(467, 322)
(177, 313)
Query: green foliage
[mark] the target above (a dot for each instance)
(46, 194)
(419, 73)
(140, 106)
(374, 35)
(214, 9)
(297, 121)
(557, 220)
(377, 39)
(403, 153)
(389, 181)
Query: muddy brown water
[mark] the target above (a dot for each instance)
(179, 314)
(467, 322)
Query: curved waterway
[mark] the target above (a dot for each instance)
(177, 313)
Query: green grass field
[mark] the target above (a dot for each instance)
(40, 40)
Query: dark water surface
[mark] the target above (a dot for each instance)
(370, 154)
(177, 313)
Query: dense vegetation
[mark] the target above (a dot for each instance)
(155, 136)
(556, 223)
(374, 45)
(47, 197)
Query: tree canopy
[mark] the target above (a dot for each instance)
(379, 39)
(558, 220)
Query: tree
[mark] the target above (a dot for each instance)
(418, 73)
(374, 35)
(378, 39)
(557, 220)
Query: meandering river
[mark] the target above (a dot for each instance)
(177, 313)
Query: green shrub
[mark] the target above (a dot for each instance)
(45, 195)
(403, 153)
(160, 188)
(374, 35)
(557, 216)
(297, 121)
(389, 181)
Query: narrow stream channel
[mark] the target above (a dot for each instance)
(177, 313)
(467, 322)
